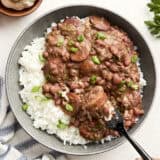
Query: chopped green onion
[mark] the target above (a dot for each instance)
(122, 83)
(122, 89)
(93, 79)
(69, 107)
(42, 98)
(80, 38)
(122, 86)
(100, 35)
(41, 58)
(60, 42)
(45, 99)
(70, 43)
(61, 125)
(134, 58)
(132, 85)
(36, 89)
(25, 107)
(96, 60)
(73, 49)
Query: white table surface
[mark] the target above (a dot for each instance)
(134, 11)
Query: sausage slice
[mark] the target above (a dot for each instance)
(96, 97)
(83, 51)
(100, 23)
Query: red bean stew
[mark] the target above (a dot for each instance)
(97, 63)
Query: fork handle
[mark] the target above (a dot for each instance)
(139, 149)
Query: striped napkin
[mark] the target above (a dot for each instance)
(15, 143)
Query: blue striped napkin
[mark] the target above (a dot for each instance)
(15, 143)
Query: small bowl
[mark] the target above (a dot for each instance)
(14, 13)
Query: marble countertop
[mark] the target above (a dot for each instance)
(134, 11)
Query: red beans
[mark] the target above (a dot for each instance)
(72, 65)
(73, 85)
(100, 81)
(128, 114)
(114, 133)
(49, 49)
(114, 50)
(101, 43)
(81, 84)
(45, 54)
(138, 111)
(127, 60)
(54, 89)
(114, 67)
(102, 66)
(52, 65)
(51, 40)
(73, 72)
(107, 75)
(55, 69)
(116, 79)
(46, 87)
(127, 124)
(58, 102)
(92, 84)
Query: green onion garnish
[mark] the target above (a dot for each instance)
(122, 89)
(36, 89)
(93, 79)
(41, 58)
(122, 83)
(42, 98)
(60, 42)
(61, 125)
(100, 35)
(122, 86)
(73, 49)
(134, 58)
(80, 38)
(132, 85)
(96, 60)
(70, 43)
(25, 107)
(69, 107)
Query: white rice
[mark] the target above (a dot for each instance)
(45, 114)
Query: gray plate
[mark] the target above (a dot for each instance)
(37, 29)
